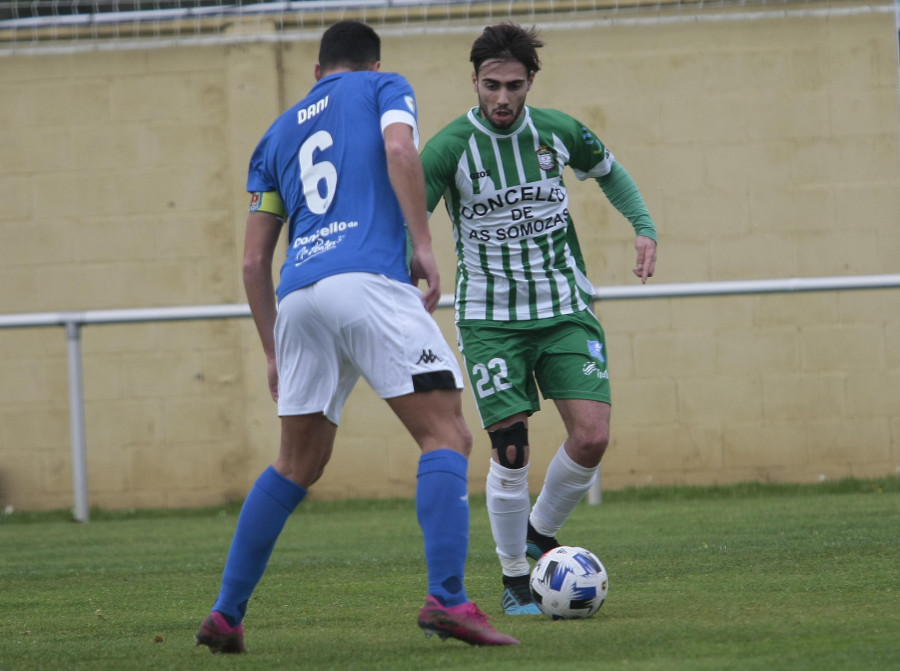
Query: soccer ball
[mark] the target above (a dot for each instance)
(568, 583)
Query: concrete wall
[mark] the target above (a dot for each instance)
(765, 148)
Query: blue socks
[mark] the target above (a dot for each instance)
(442, 507)
(267, 507)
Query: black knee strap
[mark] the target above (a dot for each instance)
(515, 435)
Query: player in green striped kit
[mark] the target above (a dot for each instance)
(523, 300)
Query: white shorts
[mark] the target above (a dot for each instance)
(352, 324)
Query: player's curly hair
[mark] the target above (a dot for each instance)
(350, 44)
(507, 41)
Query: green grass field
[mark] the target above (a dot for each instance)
(745, 577)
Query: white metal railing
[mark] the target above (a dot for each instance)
(73, 321)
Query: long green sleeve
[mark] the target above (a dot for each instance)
(624, 195)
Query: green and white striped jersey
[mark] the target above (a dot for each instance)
(517, 253)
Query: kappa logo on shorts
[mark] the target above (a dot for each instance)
(427, 357)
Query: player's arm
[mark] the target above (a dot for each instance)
(260, 240)
(408, 180)
(590, 158)
(439, 167)
(624, 195)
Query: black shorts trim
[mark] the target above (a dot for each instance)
(438, 379)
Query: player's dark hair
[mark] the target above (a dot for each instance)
(349, 44)
(507, 42)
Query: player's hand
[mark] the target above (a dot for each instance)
(646, 257)
(423, 266)
(272, 370)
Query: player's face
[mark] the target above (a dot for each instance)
(501, 86)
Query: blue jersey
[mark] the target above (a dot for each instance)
(325, 157)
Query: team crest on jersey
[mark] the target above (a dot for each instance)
(410, 103)
(546, 157)
(255, 201)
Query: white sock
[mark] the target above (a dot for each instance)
(564, 486)
(508, 503)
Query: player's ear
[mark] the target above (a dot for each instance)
(474, 81)
(317, 71)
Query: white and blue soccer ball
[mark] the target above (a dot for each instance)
(569, 582)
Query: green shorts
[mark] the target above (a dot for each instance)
(507, 362)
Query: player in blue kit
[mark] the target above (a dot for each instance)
(342, 167)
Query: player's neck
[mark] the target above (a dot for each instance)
(321, 72)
